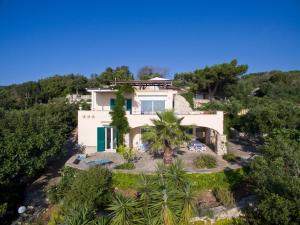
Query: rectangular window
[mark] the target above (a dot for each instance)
(152, 106)
(112, 103)
(146, 107)
(158, 106)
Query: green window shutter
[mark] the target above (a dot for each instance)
(129, 105)
(112, 103)
(100, 139)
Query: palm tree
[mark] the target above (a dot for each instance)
(166, 132)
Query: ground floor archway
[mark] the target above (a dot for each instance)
(208, 136)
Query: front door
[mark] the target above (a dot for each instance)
(106, 139)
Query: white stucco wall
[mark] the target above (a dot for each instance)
(88, 121)
(99, 116)
(214, 121)
(101, 100)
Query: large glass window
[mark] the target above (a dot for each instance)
(146, 107)
(158, 106)
(152, 106)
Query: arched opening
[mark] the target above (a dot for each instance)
(208, 136)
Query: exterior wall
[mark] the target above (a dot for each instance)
(101, 100)
(213, 121)
(135, 137)
(99, 116)
(88, 121)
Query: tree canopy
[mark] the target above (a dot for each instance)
(148, 72)
(110, 74)
(212, 79)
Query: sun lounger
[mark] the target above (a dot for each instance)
(100, 162)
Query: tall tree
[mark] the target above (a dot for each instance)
(148, 72)
(213, 79)
(119, 119)
(119, 73)
(165, 133)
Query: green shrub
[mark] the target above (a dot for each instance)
(91, 188)
(205, 161)
(3, 208)
(230, 157)
(56, 216)
(225, 197)
(128, 153)
(125, 180)
(234, 221)
(126, 166)
(57, 192)
(224, 222)
(199, 182)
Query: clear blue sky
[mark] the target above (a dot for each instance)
(46, 37)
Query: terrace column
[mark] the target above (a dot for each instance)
(221, 147)
(126, 139)
(207, 136)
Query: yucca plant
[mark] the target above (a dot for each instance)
(164, 207)
(78, 215)
(123, 210)
(164, 199)
(145, 190)
(188, 205)
(176, 173)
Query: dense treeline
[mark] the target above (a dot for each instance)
(25, 95)
(266, 107)
(29, 140)
(34, 126)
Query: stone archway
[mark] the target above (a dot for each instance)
(212, 138)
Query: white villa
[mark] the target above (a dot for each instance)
(149, 97)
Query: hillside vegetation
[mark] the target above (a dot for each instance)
(270, 103)
(35, 122)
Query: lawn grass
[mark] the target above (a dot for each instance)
(225, 180)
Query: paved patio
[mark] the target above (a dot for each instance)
(146, 162)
